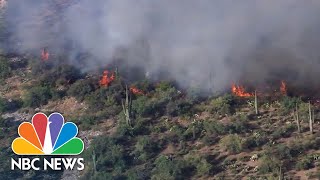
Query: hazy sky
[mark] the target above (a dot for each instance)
(197, 42)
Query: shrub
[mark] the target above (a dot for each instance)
(145, 148)
(5, 122)
(167, 169)
(157, 106)
(178, 133)
(62, 74)
(80, 89)
(222, 105)
(105, 98)
(164, 86)
(179, 107)
(159, 128)
(249, 143)
(3, 105)
(289, 103)
(214, 128)
(139, 106)
(110, 155)
(283, 131)
(196, 95)
(141, 126)
(11, 105)
(301, 146)
(4, 68)
(281, 152)
(304, 111)
(202, 166)
(145, 85)
(55, 75)
(254, 141)
(123, 130)
(269, 164)
(139, 172)
(305, 164)
(193, 131)
(37, 96)
(68, 73)
(232, 143)
(210, 139)
(86, 122)
(239, 126)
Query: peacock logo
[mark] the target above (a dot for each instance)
(47, 136)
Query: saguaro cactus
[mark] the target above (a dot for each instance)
(310, 118)
(94, 161)
(296, 117)
(313, 116)
(117, 73)
(194, 129)
(280, 173)
(126, 106)
(256, 102)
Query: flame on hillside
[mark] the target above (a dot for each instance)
(283, 88)
(136, 91)
(240, 91)
(107, 78)
(44, 54)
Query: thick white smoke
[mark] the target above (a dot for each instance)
(205, 43)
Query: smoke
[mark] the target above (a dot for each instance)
(204, 44)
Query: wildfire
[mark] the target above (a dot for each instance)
(283, 88)
(136, 91)
(240, 91)
(44, 54)
(106, 80)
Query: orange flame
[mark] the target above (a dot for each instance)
(136, 91)
(240, 91)
(44, 54)
(283, 88)
(106, 80)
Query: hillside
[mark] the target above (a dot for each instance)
(170, 133)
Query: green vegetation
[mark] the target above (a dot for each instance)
(169, 169)
(232, 143)
(223, 105)
(5, 69)
(164, 133)
(3, 105)
(80, 89)
(37, 96)
(305, 163)
(289, 103)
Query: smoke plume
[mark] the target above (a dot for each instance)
(204, 44)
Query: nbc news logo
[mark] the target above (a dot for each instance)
(47, 136)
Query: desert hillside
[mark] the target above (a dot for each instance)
(164, 90)
(163, 132)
